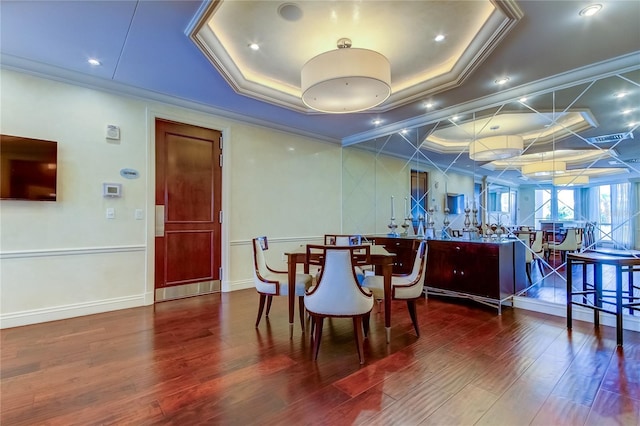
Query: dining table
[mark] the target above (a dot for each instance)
(381, 259)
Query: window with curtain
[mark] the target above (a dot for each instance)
(621, 225)
(566, 204)
(610, 207)
(542, 206)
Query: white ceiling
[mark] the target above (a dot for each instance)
(290, 34)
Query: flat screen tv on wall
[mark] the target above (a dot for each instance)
(28, 169)
(455, 203)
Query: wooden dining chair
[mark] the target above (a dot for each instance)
(406, 287)
(337, 292)
(270, 282)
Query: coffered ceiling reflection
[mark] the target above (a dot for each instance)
(587, 132)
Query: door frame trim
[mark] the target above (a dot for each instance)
(194, 119)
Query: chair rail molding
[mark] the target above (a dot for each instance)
(21, 254)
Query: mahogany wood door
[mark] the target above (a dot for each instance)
(188, 204)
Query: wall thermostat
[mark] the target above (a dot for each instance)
(113, 132)
(112, 190)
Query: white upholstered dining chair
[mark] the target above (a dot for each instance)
(538, 247)
(568, 244)
(270, 282)
(404, 287)
(337, 292)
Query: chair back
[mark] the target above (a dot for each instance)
(264, 277)
(571, 239)
(412, 286)
(536, 245)
(342, 240)
(528, 251)
(260, 246)
(418, 262)
(337, 292)
(570, 242)
(579, 232)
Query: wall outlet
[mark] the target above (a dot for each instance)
(138, 214)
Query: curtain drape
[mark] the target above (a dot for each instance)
(621, 216)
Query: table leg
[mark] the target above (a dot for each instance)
(619, 305)
(597, 283)
(569, 291)
(386, 272)
(631, 296)
(292, 290)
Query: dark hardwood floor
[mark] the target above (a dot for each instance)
(201, 361)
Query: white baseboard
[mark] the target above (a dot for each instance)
(629, 322)
(228, 286)
(17, 319)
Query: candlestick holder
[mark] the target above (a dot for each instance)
(392, 228)
(431, 218)
(467, 221)
(420, 226)
(406, 225)
(445, 223)
(474, 217)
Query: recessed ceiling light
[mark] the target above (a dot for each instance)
(522, 100)
(429, 105)
(377, 121)
(404, 131)
(633, 124)
(254, 46)
(591, 10)
(455, 118)
(502, 80)
(627, 111)
(94, 62)
(439, 37)
(620, 95)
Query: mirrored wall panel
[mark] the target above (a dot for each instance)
(557, 171)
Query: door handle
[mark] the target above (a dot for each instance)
(159, 221)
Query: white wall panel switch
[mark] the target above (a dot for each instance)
(138, 214)
(111, 213)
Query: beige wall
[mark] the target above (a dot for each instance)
(63, 259)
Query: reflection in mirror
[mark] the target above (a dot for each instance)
(576, 173)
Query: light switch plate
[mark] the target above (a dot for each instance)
(111, 213)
